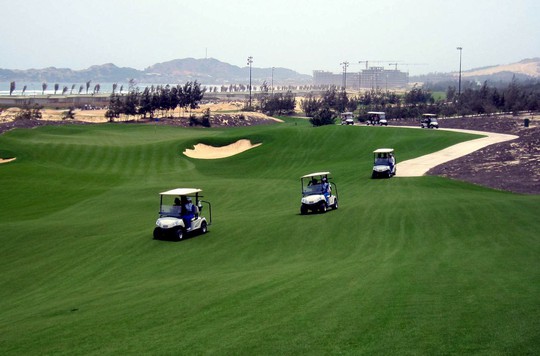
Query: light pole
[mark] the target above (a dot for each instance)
(345, 65)
(249, 61)
(272, 81)
(459, 80)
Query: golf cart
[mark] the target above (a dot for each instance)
(179, 214)
(429, 121)
(317, 193)
(376, 118)
(347, 118)
(384, 163)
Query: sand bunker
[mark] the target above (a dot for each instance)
(6, 160)
(202, 151)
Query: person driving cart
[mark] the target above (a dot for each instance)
(188, 211)
(326, 189)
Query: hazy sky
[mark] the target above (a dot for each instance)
(302, 35)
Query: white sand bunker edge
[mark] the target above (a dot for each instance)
(202, 151)
(419, 166)
(6, 160)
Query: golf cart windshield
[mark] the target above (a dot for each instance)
(313, 183)
(171, 201)
(312, 189)
(383, 156)
(381, 161)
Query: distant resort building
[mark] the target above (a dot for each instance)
(375, 78)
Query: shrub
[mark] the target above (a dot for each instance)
(324, 116)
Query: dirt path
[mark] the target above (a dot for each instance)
(417, 167)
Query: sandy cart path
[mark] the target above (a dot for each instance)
(417, 167)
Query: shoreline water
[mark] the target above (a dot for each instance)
(35, 88)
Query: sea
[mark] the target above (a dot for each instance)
(35, 88)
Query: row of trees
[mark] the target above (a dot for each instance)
(275, 103)
(474, 100)
(165, 99)
(65, 89)
(232, 88)
(44, 86)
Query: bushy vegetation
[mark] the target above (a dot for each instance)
(29, 112)
(156, 98)
(334, 102)
(278, 103)
(474, 99)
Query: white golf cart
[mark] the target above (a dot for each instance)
(429, 121)
(384, 163)
(376, 118)
(317, 193)
(347, 118)
(179, 214)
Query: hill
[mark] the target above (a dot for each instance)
(212, 71)
(525, 69)
(206, 71)
(528, 67)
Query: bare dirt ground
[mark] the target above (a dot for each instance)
(512, 165)
(222, 114)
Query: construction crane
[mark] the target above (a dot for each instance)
(374, 61)
(406, 64)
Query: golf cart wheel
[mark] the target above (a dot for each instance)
(179, 233)
(204, 227)
(389, 174)
(323, 207)
(335, 206)
(303, 210)
(157, 233)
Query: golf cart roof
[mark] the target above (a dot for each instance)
(376, 112)
(181, 191)
(315, 174)
(384, 150)
(429, 115)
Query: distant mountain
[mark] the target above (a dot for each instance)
(525, 69)
(178, 71)
(212, 71)
(104, 73)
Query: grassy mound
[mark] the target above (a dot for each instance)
(407, 265)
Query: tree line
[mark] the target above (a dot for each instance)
(165, 99)
(473, 100)
(65, 89)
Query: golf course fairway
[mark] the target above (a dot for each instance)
(409, 266)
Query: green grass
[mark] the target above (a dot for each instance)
(439, 95)
(405, 266)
